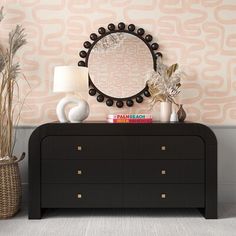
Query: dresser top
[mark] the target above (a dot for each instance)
(126, 129)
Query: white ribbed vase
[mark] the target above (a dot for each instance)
(165, 111)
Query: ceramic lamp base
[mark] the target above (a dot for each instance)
(76, 114)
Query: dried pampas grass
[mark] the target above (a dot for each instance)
(9, 71)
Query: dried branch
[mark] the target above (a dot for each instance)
(16, 39)
(164, 83)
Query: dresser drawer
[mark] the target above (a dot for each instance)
(118, 147)
(164, 171)
(164, 195)
(81, 195)
(118, 195)
(119, 171)
(82, 171)
(164, 147)
(82, 147)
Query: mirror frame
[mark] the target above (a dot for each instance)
(111, 28)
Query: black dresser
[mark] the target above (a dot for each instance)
(101, 165)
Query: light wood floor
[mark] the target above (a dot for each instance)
(122, 222)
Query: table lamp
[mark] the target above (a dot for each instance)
(71, 79)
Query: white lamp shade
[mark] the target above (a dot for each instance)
(70, 79)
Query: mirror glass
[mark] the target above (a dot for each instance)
(118, 64)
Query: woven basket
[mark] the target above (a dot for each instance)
(10, 187)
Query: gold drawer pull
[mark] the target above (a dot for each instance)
(163, 172)
(79, 172)
(79, 195)
(79, 148)
(163, 148)
(163, 195)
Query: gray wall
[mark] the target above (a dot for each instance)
(226, 137)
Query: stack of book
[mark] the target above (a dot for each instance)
(129, 118)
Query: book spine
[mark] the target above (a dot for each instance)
(147, 120)
(130, 116)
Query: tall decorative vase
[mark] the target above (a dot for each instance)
(165, 111)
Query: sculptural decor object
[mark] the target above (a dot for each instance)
(118, 59)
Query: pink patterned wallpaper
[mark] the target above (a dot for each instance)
(199, 34)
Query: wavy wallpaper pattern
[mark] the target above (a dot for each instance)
(199, 34)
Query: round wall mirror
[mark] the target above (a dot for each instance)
(120, 70)
(119, 60)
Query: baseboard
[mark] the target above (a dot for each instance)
(227, 193)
